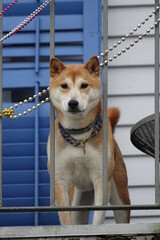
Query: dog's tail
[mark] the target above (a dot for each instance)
(113, 115)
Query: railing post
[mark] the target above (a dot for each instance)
(157, 128)
(105, 104)
(52, 116)
(37, 47)
(1, 33)
(36, 165)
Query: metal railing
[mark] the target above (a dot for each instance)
(1, 33)
(52, 114)
(105, 102)
(87, 230)
(157, 175)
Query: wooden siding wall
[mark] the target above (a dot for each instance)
(131, 88)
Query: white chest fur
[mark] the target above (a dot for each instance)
(72, 165)
(79, 168)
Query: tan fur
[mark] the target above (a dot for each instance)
(113, 115)
(61, 200)
(75, 171)
(120, 177)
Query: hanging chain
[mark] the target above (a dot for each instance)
(132, 44)
(26, 21)
(8, 7)
(9, 113)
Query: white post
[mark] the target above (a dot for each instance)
(52, 117)
(105, 104)
(157, 127)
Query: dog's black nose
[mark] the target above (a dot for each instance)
(73, 104)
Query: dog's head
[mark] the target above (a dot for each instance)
(75, 89)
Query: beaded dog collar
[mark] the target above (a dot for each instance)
(96, 125)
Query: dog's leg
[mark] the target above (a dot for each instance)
(62, 199)
(81, 199)
(98, 199)
(121, 216)
(119, 189)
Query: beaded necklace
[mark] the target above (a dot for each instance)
(26, 21)
(8, 7)
(123, 39)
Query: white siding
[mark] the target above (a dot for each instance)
(131, 88)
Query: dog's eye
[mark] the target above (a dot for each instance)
(64, 85)
(84, 85)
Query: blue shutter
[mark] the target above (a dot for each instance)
(26, 65)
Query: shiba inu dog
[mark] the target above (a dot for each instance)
(75, 91)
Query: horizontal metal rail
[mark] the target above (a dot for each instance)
(81, 208)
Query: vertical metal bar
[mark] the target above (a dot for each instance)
(1, 33)
(157, 175)
(105, 104)
(37, 45)
(36, 167)
(52, 116)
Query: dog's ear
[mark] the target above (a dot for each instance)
(93, 66)
(56, 66)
